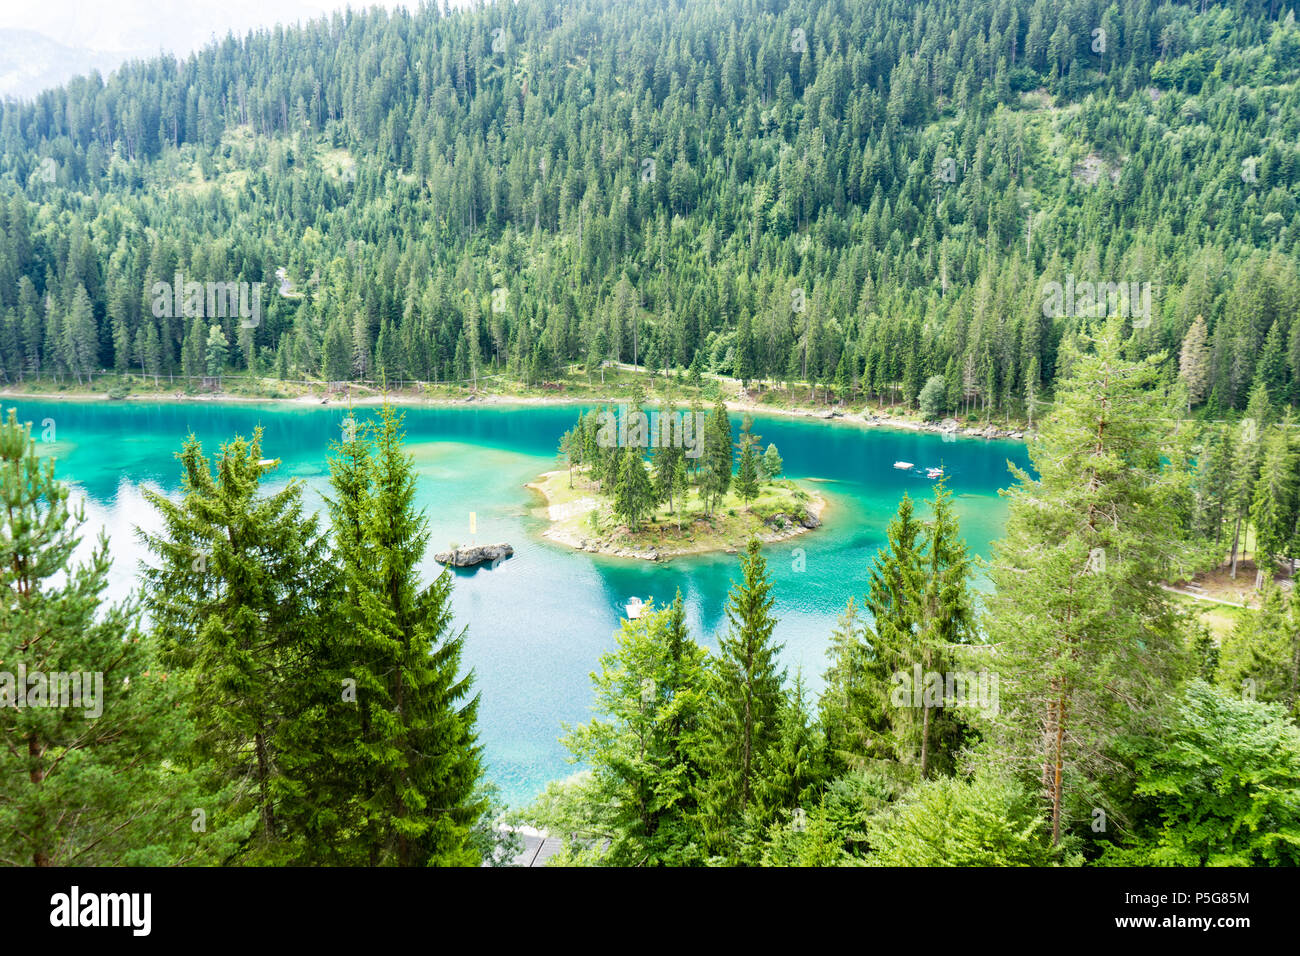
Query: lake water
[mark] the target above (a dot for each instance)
(539, 621)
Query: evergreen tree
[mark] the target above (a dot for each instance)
(238, 599)
(86, 716)
(1260, 658)
(716, 463)
(1245, 466)
(407, 755)
(634, 495)
(1273, 510)
(1194, 362)
(745, 702)
(747, 473)
(1088, 642)
(986, 821)
(216, 350)
(650, 694)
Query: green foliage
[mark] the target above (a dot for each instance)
(397, 781)
(988, 820)
(1218, 786)
(1089, 643)
(933, 397)
(92, 751)
(742, 722)
(650, 694)
(238, 596)
(1261, 657)
(634, 495)
(772, 463)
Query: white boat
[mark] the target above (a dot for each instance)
(904, 465)
(634, 608)
(934, 473)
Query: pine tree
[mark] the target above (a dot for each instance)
(1261, 656)
(238, 597)
(88, 720)
(337, 355)
(407, 751)
(1245, 466)
(1212, 483)
(649, 695)
(745, 693)
(790, 773)
(215, 350)
(680, 487)
(1088, 641)
(853, 704)
(1194, 362)
(665, 464)
(921, 609)
(1273, 509)
(717, 461)
(747, 473)
(634, 496)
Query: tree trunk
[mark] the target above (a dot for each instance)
(925, 742)
(1057, 778)
(1236, 539)
(264, 784)
(37, 775)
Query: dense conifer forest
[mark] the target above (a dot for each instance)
(859, 196)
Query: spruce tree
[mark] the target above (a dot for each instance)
(1273, 509)
(415, 765)
(716, 461)
(238, 594)
(86, 715)
(747, 473)
(1089, 643)
(634, 496)
(746, 697)
(650, 694)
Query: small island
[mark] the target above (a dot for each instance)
(685, 499)
(471, 555)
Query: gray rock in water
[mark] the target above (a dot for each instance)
(470, 555)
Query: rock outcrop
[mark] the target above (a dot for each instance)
(468, 556)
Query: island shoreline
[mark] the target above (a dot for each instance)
(816, 504)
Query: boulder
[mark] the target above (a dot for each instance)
(468, 556)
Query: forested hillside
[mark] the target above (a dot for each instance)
(860, 195)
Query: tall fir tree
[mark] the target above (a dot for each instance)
(746, 697)
(86, 716)
(239, 593)
(414, 764)
(1089, 644)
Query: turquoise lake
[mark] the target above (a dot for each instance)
(538, 622)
